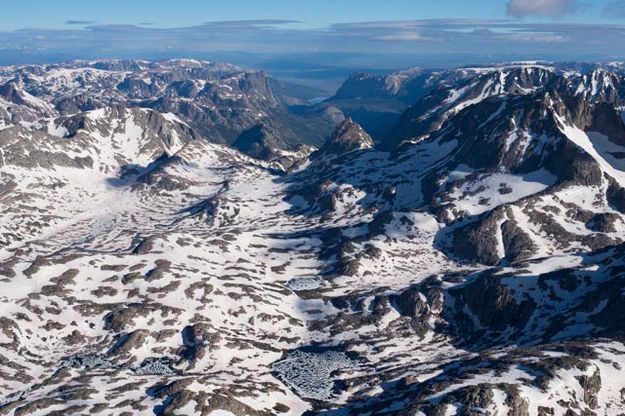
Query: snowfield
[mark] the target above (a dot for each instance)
(476, 268)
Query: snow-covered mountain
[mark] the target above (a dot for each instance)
(220, 101)
(473, 264)
(377, 101)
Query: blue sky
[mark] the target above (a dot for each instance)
(166, 13)
(305, 33)
(318, 13)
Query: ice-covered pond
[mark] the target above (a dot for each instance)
(100, 226)
(87, 362)
(299, 284)
(150, 366)
(312, 371)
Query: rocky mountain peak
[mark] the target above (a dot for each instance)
(25, 107)
(9, 92)
(347, 137)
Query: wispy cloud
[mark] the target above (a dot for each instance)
(404, 37)
(357, 43)
(533, 37)
(545, 8)
(258, 22)
(79, 22)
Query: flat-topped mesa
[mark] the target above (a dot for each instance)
(347, 137)
(361, 85)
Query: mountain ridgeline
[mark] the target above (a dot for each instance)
(188, 237)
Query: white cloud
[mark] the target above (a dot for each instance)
(548, 8)
(533, 37)
(404, 37)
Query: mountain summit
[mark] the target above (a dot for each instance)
(347, 137)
